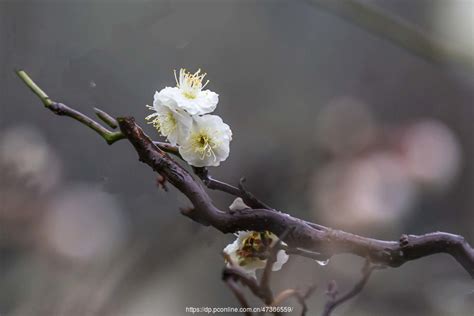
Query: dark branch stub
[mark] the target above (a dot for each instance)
(213, 184)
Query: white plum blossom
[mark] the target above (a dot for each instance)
(247, 249)
(171, 122)
(207, 143)
(181, 115)
(189, 94)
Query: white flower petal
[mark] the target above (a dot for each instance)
(233, 247)
(248, 264)
(282, 258)
(164, 97)
(238, 204)
(188, 94)
(172, 122)
(208, 142)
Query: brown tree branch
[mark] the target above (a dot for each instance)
(214, 184)
(330, 242)
(305, 239)
(271, 259)
(111, 137)
(64, 110)
(245, 279)
(327, 242)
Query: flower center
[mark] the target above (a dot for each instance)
(167, 123)
(204, 144)
(190, 84)
(254, 247)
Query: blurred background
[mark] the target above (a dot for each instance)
(331, 123)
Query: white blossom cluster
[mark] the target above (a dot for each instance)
(246, 251)
(182, 116)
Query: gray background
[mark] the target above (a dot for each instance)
(275, 65)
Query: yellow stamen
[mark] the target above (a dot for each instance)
(165, 123)
(253, 246)
(190, 84)
(204, 144)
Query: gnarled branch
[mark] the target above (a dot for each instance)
(327, 242)
(303, 238)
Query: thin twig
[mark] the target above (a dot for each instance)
(64, 110)
(267, 271)
(300, 296)
(234, 287)
(249, 198)
(167, 147)
(306, 253)
(106, 118)
(245, 279)
(47, 102)
(334, 302)
(213, 184)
